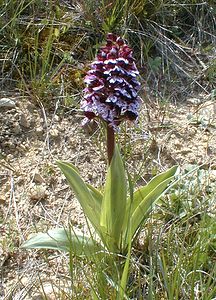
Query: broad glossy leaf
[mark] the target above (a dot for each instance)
(145, 197)
(114, 202)
(90, 203)
(62, 239)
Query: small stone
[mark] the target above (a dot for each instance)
(39, 131)
(16, 128)
(38, 192)
(38, 178)
(24, 122)
(54, 132)
(195, 101)
(24, 280)
(22, 147)
(9, 157)
(56, 118)
(7, 103)
(2, 199)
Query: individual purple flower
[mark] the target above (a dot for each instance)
(111, 84)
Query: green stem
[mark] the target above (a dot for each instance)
(110, 143)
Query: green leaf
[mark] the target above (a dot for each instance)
(148, 188)
(62, 239)
(145, 197)
(126, 271)
(95, 194)
(114, 202)
(88, 197)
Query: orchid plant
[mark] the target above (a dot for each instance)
(111, 95)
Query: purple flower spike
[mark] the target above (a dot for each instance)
(111, 84)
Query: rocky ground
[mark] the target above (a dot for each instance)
(33, 193)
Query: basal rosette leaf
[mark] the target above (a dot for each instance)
(64, 240)
(150, 186)
(114, 203)
(95, 194)
(89, 198)
(144, 199)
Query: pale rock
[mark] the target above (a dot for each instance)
(7, 103)
(54, 132)
(56, 118)
(39, 130)
(38, 192)
(10, 156)
(195, 101)
(24, 280)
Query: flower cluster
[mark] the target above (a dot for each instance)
(111, 84)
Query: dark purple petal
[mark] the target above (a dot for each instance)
(120, 41)
(111, 37)
(90, 115)
(111, 84)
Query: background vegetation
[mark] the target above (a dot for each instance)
(46, 45)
